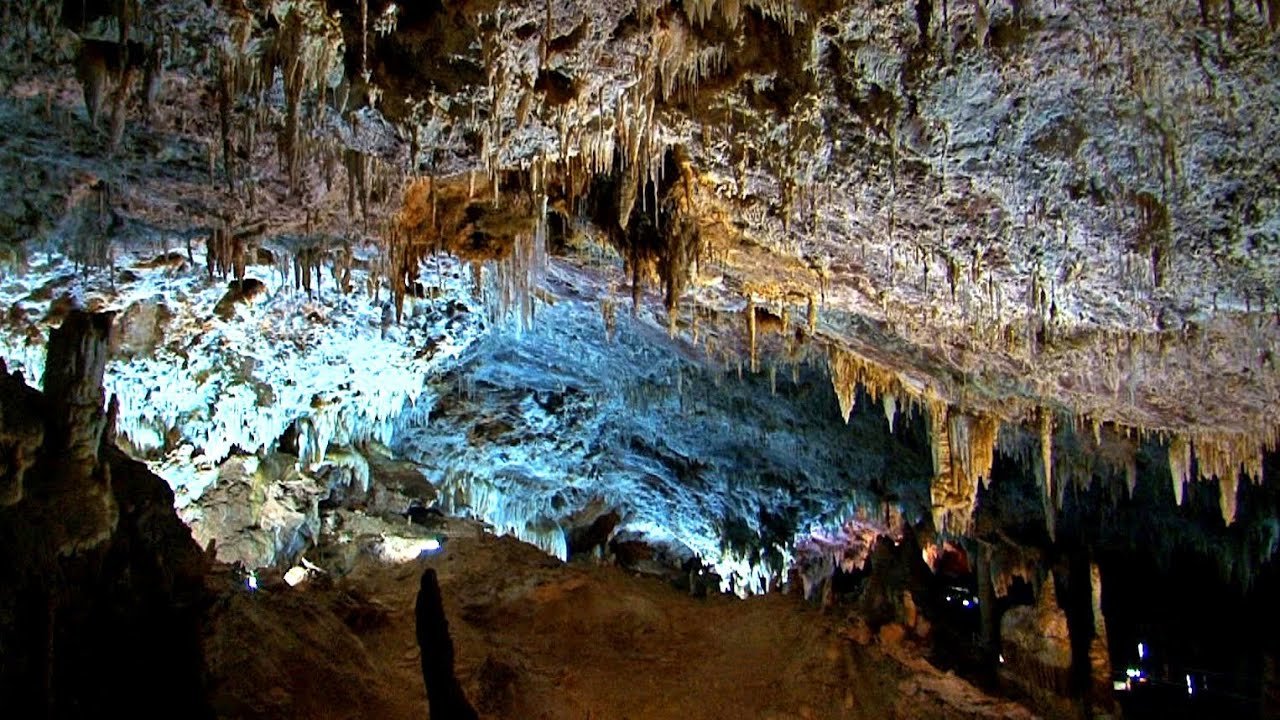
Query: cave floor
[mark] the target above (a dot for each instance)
(537, 638)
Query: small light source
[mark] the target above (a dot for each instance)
(966, 602)
(1120, 685)
(1190, 688)
(295, 575)
(1142, 651)
(396, 549)
(1001, 658)
(251, 581)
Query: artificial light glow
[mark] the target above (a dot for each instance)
(1142, 651)
(251, 581)
(1001, 658)
(966, 602)
(1120, 685)
(395, 549)
(1190, 689)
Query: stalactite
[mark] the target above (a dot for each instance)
(1045, 424)
(963, 450)
(1179, 465)
(849, 371)
(519, 274)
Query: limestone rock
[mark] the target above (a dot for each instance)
(21, 434)
(892, 634)
(1037, 645)
(259, 513)
(140, 329)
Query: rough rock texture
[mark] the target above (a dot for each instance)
(258, 513)
(1009, 205)
(23, 434)
(1042, 215)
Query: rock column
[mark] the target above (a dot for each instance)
(444, 694)
(79, 490)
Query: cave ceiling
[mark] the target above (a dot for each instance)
(1009, 204)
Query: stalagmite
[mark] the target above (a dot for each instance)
(989, 629)
(75, 430)
(444, 693)
(1099, 655)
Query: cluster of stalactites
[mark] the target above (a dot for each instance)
(229, 250)
(681, 60)
(1222, 456)
(963, 449)
(787, 13)
(304, 41)
(850, 370)
(520, 274)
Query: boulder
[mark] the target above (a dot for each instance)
(140, 329)
(259, 513)
(892, 634)
(240, 292)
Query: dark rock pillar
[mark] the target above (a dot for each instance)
(444, 694)
(21, 434)
(78, 491)
(1090, 664)
(101, 587)
(989, 638)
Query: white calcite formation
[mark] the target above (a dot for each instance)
(211, 386)
(534, 431)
